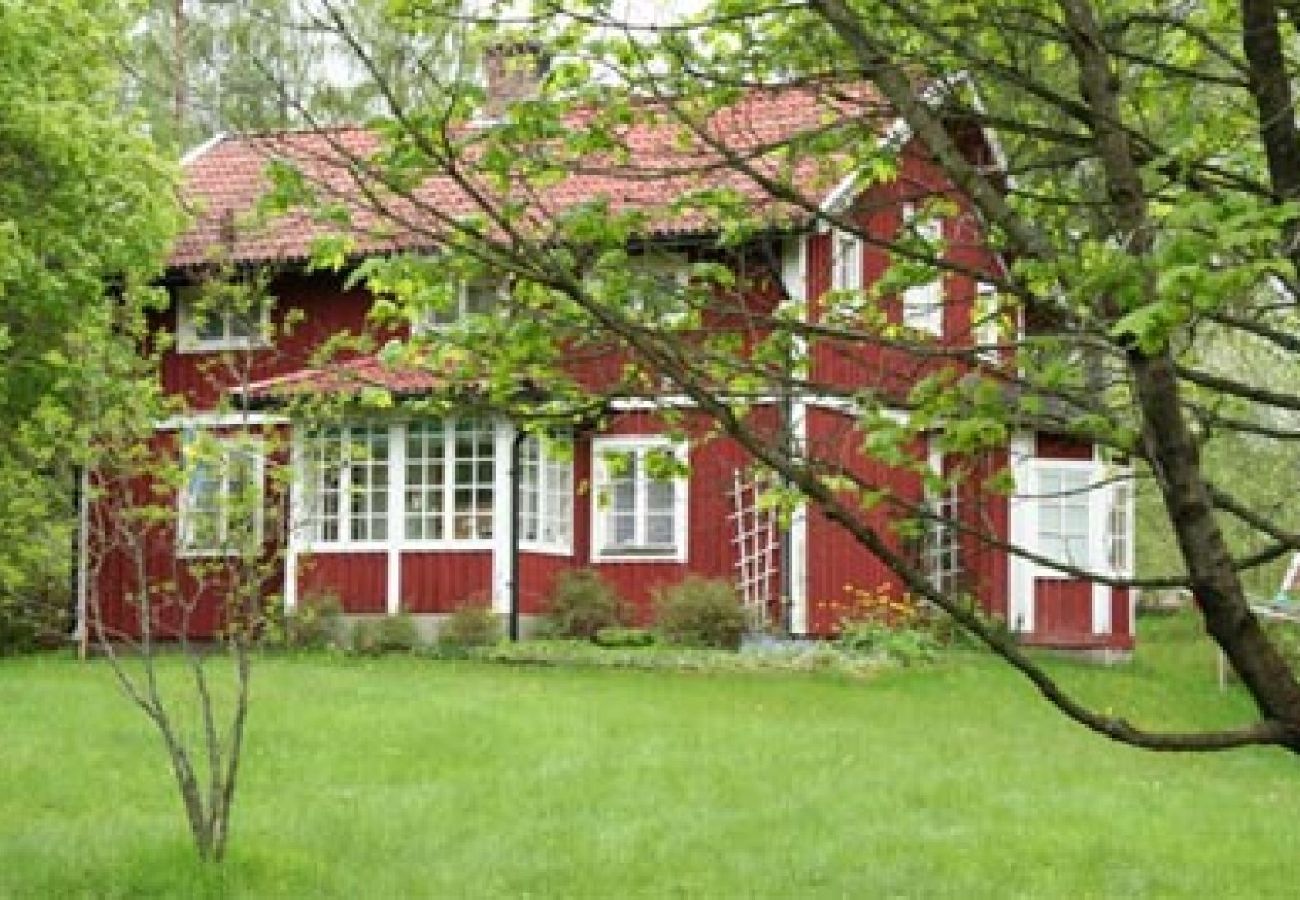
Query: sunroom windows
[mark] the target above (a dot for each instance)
(432, 483)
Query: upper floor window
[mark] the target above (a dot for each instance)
(209, 321)
(923, 303)
(846, 261)
(473, 298)
(640, 502)
(986, 328)
(221, 495)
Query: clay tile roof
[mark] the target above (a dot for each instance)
(349, 378)
(224, 180)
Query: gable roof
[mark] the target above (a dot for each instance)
(659, 161)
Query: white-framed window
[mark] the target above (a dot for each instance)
(221, 495)
(943, 542)
(846, 261)
(345, 482)
(985, 313)
(546, 493)
(923, 303)
(206, 325)
(1062, 496)
(639, 504)
(657, 292)
(473, 298)
(1119, 529)
(450, 480)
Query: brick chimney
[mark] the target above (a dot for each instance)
(514, 71)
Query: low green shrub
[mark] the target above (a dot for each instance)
(315, 623)
(701, 612)
(872, 639)
(37, 618)
(581, 604)
(470, 625)
(385, 634)
(624, 637)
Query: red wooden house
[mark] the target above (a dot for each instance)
(407, 512)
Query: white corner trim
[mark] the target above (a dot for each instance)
(798, 561)
(200, 150)
(83, 554)
(396, 518)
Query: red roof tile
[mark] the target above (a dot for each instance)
(223, 182)
(350, 378)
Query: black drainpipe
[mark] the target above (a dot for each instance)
(515, 482)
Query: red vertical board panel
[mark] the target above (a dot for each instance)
(434, 582)
(1062, 608)
(360, 580)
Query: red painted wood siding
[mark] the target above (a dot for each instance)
(321, 310)
(434, 582)
(836, 561)
(537, 574)
(878, 211)
(1062, 609)
(1059, 446)
(359, 580)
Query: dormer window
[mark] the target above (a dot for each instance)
(209, 322)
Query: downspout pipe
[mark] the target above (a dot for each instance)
(516, 482)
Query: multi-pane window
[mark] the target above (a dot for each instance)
(846, 261)
(473, 298)
(546, 493)
(640, 499)
(985, 327)
(426, 481)
(943, 544)
(346, 485)
(474, 474)
(923, 303)
(221, 497)
(1119, 537)
(1063, 533)
(450, 480)
(207, 324)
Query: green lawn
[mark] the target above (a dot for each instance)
(405, 777)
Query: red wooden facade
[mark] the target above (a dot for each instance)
(819, 562)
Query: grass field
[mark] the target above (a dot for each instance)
(404, 777)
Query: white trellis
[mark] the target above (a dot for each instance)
(756, 538)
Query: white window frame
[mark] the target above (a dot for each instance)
(1085, 495)
(450, 485)
(846, 260)
(547, 477)
(640, 551)
(223, 449)
(1120, 528)
(308, 462)
(308, 479)
(944, 564)
(985, 327)
(188, 339)
(923, 304)
(429, 323)
(669, 267)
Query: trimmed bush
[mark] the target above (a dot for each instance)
(471, 625)
(624, 637)
(702, 612)
(581, 604)
(313, 624)
(385, 634)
